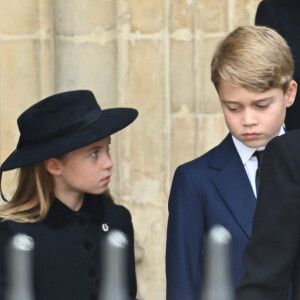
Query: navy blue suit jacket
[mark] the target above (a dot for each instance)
(212, 189)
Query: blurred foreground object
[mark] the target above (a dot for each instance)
(114, 285)
(217, 276)
(19, 266)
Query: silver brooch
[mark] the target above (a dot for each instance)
(105, 227)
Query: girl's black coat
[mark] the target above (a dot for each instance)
(67, 249)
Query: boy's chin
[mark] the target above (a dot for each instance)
(254, 143)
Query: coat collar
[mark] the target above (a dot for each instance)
(60, 215)
(228, 171)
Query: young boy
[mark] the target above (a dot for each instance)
(252, 71)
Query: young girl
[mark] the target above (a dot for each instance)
(61, 200)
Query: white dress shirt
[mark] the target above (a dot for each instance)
(249, 161)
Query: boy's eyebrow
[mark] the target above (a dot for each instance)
(237, 101)
(264, 99)
(229, 101)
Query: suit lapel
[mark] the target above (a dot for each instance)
(231, 180)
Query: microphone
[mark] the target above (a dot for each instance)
(19, 268)
(217, 269)
(114, 285)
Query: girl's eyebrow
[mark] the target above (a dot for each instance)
(94, 148)
(99, 146)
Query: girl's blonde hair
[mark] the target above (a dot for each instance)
(33, 197)
(253, 57)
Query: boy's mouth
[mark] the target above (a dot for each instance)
(251, 136)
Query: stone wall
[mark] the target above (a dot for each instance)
(150, 54)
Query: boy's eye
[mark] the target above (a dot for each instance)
(232, 108)
(262, 105)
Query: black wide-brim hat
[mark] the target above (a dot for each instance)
(62, 123)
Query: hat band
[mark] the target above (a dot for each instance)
(82, 123)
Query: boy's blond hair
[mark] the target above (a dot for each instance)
(253, 57)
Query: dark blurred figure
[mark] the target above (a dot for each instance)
(284, 17)
(272, 256)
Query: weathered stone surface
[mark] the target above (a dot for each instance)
(208, 101)
(182, 15)
(86, 65)
(151, 225)
(143, 152)
(183, 136)
(19, 87)
(77, 17)
(243, 11)
(211, 131)
(19, 17)
(46, 72)
(182, 78)
(214, 15)
(147, 16)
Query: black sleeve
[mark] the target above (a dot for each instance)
(273, 250)
(131, 257)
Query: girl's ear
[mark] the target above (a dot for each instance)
(290, 93)
(53, 166)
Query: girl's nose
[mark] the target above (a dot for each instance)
(108, 162)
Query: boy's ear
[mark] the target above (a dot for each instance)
(290, 93)
(53, 166)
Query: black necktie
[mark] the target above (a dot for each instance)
(259, 155)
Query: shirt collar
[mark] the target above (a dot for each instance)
(246, 152)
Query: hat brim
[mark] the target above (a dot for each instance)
(111, 121)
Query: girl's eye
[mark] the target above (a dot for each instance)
(94, 154)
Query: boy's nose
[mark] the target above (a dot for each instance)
(249, 117)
